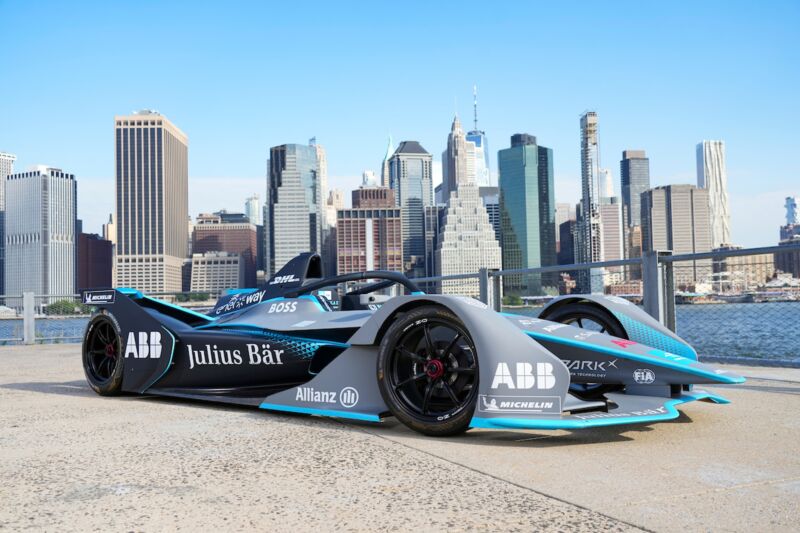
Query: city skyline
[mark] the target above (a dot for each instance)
(352, 118)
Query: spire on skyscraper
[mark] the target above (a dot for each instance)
(475, 107)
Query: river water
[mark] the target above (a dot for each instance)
(763, 331)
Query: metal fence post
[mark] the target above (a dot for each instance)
(28, 317)
(497, 291)
(652, 286)
(483, 285)
(658, 288)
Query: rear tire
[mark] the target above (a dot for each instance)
(102, 355)
(428, 371)
(580, 315)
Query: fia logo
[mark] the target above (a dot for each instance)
(143, 344)
(644, 376)
(525, 378)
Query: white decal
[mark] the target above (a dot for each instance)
(348, 397)
(143, 344)
(284, 279)
(644, 376)
(525, 378)
(282, 307)
(262, 354)
(519, 404)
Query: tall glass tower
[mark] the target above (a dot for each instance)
(483, 171)
(527, 211)
(634, 171)
(713, 175)
(410, 176)
(293, 208)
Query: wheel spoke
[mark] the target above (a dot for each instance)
(101, 334)
(428, 341)
(451, 345)
(411, 355)
(450, 392)
(462, 370)
(427, 398)
(406, 381)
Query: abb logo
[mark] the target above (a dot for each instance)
(143, 344)
(524, 377)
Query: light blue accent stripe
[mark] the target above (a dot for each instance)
(418, 293)
(231, 292)
(130, 292)
(320, 412)
(171, 355)
(556, 423)
(179, 308)
(683, 365)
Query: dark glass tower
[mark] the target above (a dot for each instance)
(634, 171)
(527, 210)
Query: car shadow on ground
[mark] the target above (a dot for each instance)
(390, 428)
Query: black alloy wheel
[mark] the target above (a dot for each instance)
(592, 318)
(102, 356)
(428, 371)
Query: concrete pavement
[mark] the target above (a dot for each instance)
(71, 460)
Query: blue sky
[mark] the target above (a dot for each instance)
(241, 77)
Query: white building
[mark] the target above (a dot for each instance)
(214, 272)
(713, 175)
(467, 241)
(612, 236)
(40, 232)
(6, 168)
(605, 182)
(252, 209)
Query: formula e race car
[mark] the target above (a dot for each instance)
(440, 364)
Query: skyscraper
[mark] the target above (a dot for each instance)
(467, 240)
(634, 171)
(590, 243)
(293, 208)
(712, 175)
(152, 189)
(410, 176)
(6, 169)
(605, 183)
(527, 211)
(792, 213)
(483, 171)
(369, 236)
(252, 209)
(490, 196)
(675, 217)
(41, 208)
(385, 174)
(612, 235)
(458, 161)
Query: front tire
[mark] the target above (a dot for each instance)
(102, 356)
(594, 318)
(428, 371)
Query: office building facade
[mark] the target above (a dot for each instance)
(369, 236)
(634, 171)
(527, 211)
(676, 218)
(294, 205)
(215, 272)
(712, 175)
(152, 201)
(6, 169)
(228, 232)
(41, 221)
(410, 177)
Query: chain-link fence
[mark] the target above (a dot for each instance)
(738, 306)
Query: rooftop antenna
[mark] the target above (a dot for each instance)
(475, 106)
